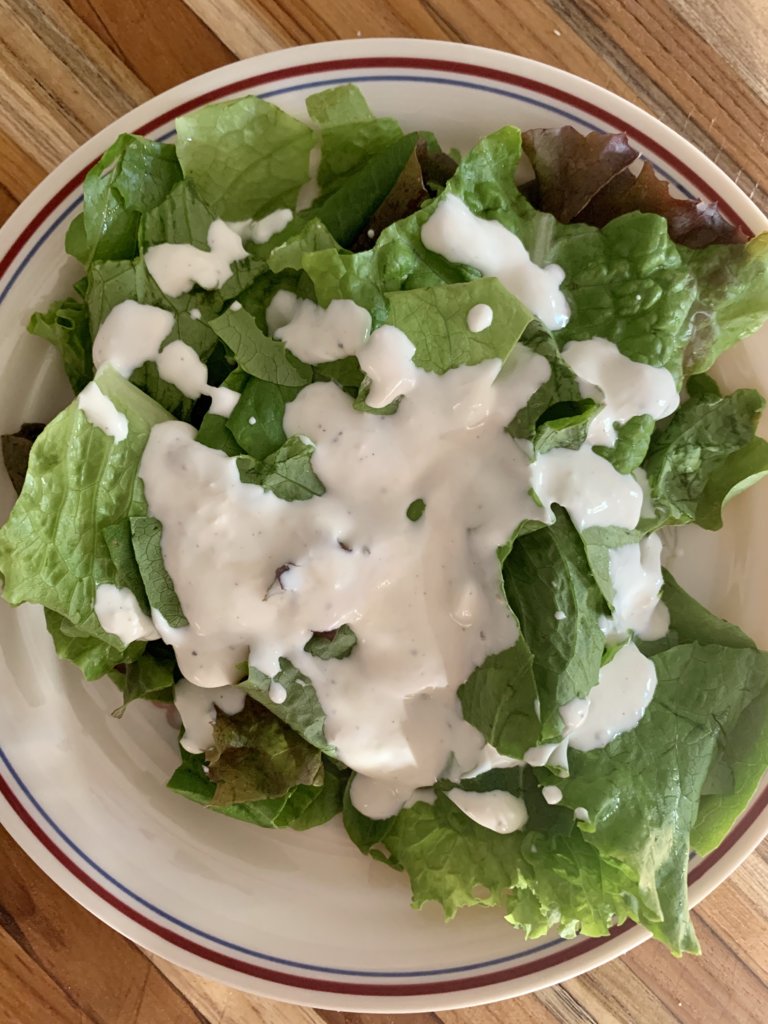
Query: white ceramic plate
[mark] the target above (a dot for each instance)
(300, 917)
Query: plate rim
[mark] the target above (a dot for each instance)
(294, 62)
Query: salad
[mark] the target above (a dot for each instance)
(369, 470)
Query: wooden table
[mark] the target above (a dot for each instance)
(69, 68)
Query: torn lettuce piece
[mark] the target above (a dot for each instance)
(302, 807)
(150, 677)
(558, 604)
(256, 353)
(94, 656)
(132, 177)
(337, 644)
(349, 133)
(499, 699)
(91, 483)
(642, 792)
(299, 707)
(435, 321)
(705, 455)
(146, 537)
(287, 472)
(66, 325)
(246, 157)
(257, 757)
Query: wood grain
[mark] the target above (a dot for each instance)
(69, 68)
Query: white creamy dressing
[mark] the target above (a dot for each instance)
(100, 410)
(317, 335)
(624, 690)
(552, 794)
(260, 231)
(179, 364)
(581, 814)
(497, 810)
(490, 758)
(119, 613)
(422, 597)
(197, 710)
(636, 578)
(456, 233)
(130, 335)
(178, 266)
(625, 388)
(588, 486)
(479, 318)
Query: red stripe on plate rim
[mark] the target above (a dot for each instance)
(571, 950)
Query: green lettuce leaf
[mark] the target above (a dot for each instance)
(146, 537)
(150, 677)
(338, 644)
(94, 656)
(246, 157)
(302, 807)
(66, 326)
(133, 176)
(287, 472)
(257, 354)
(705, 455)
(53, 549)
(301, 710)
(435, 321)
(257, 757)
(546, 573)
(349, 133)
(499, 700)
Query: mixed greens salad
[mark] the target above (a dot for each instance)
(669, 282)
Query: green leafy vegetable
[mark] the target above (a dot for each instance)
(499, 699)
(547, 573)
(66, 326)
(286, 472)
(706, 454)
(435, 321)
(300, 709)
(58, 560)
(246, 157)
(131, 178)
(260, 356)
(257, 757)
(146, 536)
(338, 644)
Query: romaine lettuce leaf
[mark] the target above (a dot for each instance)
(132, 176)
(499, 699)
(435, 321)
(53, 549)
(150, 677)
(704, 455)
(246, 157)
(146, 537)
(287, 472)
(65, 324)
(558, 605)
(349, 133)
(302, 807)
(256, 353)
(93, 655)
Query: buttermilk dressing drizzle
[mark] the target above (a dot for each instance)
(178, 267)
(131, 335)
(119, 613)
(316, 335)
(101, 412)
(456, 233)
(423, 598)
